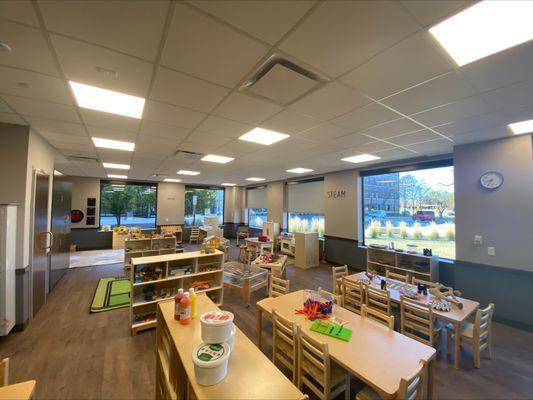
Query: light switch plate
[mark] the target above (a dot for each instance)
(491, 251)
(478, 240)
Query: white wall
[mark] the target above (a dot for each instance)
(82, 189)
(170, 203)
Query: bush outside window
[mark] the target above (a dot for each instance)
(201, 202)
(306, 222)
(257, 217)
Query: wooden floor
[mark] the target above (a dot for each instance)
(77, 355)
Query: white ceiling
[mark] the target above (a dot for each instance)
(388, 88)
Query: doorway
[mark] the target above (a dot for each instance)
(42, 240)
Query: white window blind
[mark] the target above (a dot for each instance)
(306, 197)
(256, 198)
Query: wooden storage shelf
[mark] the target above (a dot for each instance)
(146, 247)
(382, 260)
(167, 286)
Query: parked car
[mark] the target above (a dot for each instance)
(424, 216)
(377, 214)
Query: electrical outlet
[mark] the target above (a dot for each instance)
(491, 251)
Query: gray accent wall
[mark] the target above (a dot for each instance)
(276, 203)
(170, 203)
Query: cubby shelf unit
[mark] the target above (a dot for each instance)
(417, 265)
(148, 247)
(174, 271)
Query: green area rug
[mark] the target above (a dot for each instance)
(110, 294)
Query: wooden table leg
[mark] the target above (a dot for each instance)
(259, 327)
(431, 377)
(457, 342)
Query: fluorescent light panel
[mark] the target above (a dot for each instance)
(300, 170)
(217, 159)
(94, 98)
(186, 172)
(263, 136)
(521, 127)
(171, 180)
(117, 176)
(228, 184)
(115, 166)
(360, 158)
(113, 144)
(486, 28)
(254, 179)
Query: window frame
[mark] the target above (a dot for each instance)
(248, 215)
(447, 162)
(120, 182)
(211, 187)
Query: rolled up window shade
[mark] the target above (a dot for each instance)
(306, 197)
(256, 198)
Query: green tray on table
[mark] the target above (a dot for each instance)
(332, 330)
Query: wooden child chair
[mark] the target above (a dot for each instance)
(387, 320)
(337, 273)
(284, 343)
(352, 295)
(278, 287)
(378, 300)
(336, 298)
(418, 322)
(397, 277)
(195, 235)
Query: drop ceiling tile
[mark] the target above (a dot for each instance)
(395, 154)
(67, 145)
(516, 114)
(483, 135)
(156, 145)
(224, 127)
(246, 109)
(15, 82)
(399, 67)
(4, 107)
(109, 121)
(207, 138)
(18, 10)
(172, 115)
(352, 140)
(511, 96)
(325, 132)
(160, 130)
(290, 122)
(375, 146)
(106, 133)
(133, 29)
(485, 121)
(202, 148)
(29, 48)
(9, 118)
(339, 35)
(114, 156)
(266, 20)
(201, 46)
(237, 148)
(439, 146)
(444, 89)
(182, 90)
(330, 101)
(45, 109)
(43, 125)
(423, 135)
(82, 141)
(365, 117)
(455, 111)
(430, 12)
(393, 128)
(81, 62)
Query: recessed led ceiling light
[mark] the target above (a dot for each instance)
(115, 166)
(217, 159)
(255, 179)
(117, 176)
(113, 144)
(99, 99)
(360, 158)
(57, 173)
(185, 172)
(171, 180)
(521, 127)
(263, 136)
(300, 170)
(486, 28)
(228, 184)
(4, 47)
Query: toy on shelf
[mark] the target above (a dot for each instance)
(148, 273)
(200, 285)
(212, 243)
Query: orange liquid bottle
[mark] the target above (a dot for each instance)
(177, 306)
(185, 309)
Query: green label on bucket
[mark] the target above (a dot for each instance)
(210, 352)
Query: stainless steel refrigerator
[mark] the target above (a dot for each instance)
(61, 205)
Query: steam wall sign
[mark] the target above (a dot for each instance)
(76, 216)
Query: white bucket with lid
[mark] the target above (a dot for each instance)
(231, 339)
(217, 326)
(210, 362)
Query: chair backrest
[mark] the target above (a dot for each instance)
(412, 387)
(397, 277)
(336, 298)
(195, 231)
(352, 295)
(415, 281)
(284, 342)
(243, 230)
(387, 320)
(482, 326)
(416, 320)
(378, 300)
(278, 286)
(314, 361)
(337, 273)
(4, 372)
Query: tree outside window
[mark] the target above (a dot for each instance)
(128, 204)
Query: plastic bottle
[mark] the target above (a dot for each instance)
(177, 306)
(185, 309)
(193, 296)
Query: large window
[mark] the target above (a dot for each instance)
(127, 204)
(305, 203)
(257, 217)
(203, 202)
(413, 209)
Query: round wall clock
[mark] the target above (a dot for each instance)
(491, 180)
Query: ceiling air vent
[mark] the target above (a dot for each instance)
(281, 80)
(191, 155)
(83, 159)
